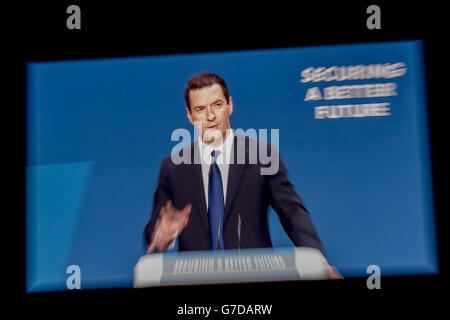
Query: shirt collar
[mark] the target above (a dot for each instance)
(224, 149)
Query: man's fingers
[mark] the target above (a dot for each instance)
(158, 222)
(162, 211)
(185, 222)
(151, 247)
(187, 209)
(157, 239)
(169, 205)
(167, 209)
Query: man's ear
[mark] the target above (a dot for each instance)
(189, 115)
(230, 106)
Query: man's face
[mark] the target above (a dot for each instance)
(210, 113)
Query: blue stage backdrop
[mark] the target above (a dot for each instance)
(353, 133)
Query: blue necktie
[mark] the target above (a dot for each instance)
(216, 205)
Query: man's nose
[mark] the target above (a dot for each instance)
(211, 115)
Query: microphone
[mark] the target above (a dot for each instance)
(239, 232)
(218, 236)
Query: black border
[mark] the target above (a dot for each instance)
(135, 29)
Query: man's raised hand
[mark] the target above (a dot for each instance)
(168, 226)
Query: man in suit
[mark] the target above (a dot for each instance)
(221, 201)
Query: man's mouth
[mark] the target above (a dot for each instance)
(215, 126)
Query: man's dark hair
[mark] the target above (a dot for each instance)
(202, 80)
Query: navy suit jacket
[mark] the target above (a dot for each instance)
(248, 196)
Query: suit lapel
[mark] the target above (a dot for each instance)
(235, 173)
(198, 193)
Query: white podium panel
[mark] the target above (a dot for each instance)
(245, 265)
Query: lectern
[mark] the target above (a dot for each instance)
(225, 266)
